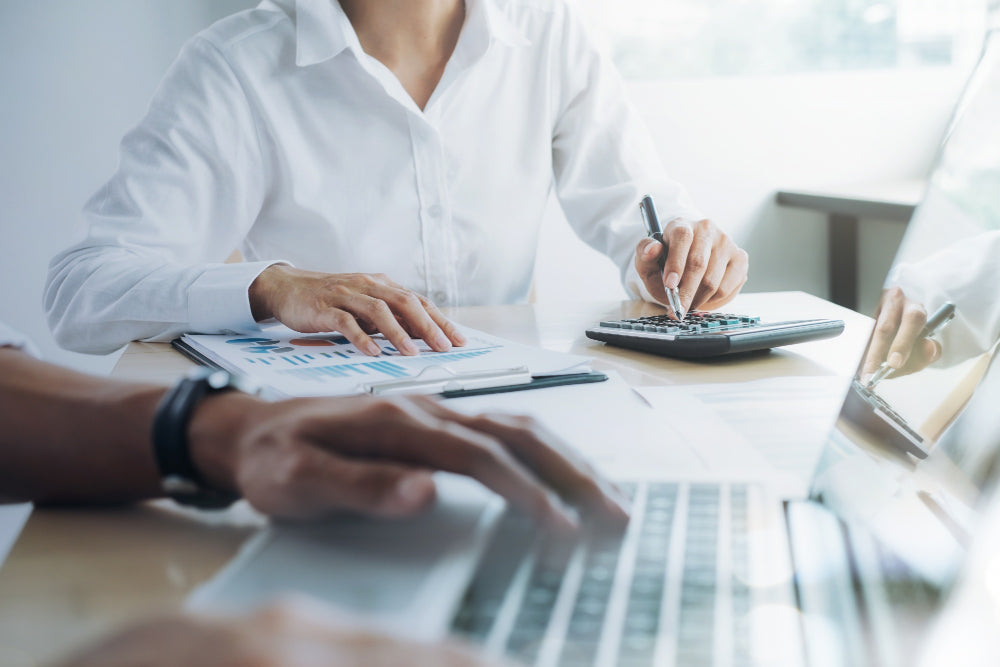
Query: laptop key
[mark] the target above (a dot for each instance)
(533, 617)
(478, 610)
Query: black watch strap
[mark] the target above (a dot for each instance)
(181, 480)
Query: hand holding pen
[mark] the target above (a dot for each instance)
(902, 341)
(688, 266)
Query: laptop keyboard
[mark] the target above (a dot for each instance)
(651, 596)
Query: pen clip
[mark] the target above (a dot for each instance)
(436, 379)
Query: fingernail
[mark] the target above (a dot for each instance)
(409, 347)
(652, 250)
(567, 519)
(372, 348)
(672, 280)
(459, 338)
(442, 342)
(895, 360)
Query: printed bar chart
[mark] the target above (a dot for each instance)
(289, 363)
(403, 367)
(334, 358)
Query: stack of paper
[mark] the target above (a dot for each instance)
(287, 363)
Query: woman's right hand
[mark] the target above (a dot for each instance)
(354, 305)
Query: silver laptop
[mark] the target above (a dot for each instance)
(714, 572)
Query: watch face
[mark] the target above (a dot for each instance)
(175, 485)
(218, 380)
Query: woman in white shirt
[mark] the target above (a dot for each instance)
(398, 153)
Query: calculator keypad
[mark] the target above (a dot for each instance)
(693, 323)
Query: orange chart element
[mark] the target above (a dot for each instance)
(311, 342)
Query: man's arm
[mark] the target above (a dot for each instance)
(71, 438)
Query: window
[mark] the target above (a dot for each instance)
(653, 39)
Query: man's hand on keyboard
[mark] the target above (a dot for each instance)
(702, 262)
(306, 458)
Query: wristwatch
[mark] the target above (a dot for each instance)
(179, 477)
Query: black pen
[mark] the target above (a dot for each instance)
(654, 231)
(941, 317)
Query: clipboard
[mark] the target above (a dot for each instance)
(443, 381)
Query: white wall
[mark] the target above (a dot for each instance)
(75, 76)
(734, 142)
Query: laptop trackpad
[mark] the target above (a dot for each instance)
(403, 576)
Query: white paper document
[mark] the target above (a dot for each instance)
(620, 433)
(288, 364)
(785, 419)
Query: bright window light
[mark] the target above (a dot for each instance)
(655, 39)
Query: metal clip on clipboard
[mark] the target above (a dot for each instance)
(439, 379)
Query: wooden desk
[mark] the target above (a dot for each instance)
(76, 573)
(845, 208)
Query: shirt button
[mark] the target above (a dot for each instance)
(439, 297)
(435, 211)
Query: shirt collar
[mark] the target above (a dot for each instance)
(498, 25)
(322, 29)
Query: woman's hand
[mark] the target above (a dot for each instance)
(702, 262)
(354, 305)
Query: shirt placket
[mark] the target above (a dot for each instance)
(441, 282)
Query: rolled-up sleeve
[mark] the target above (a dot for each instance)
(604, 161)
(190, 183)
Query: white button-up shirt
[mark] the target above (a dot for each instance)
(276, 134)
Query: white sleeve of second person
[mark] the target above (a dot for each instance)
(604, 159)
(189, 185)
(967, 274)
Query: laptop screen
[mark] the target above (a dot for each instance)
(915, 450)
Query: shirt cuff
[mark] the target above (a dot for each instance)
(219, 299)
